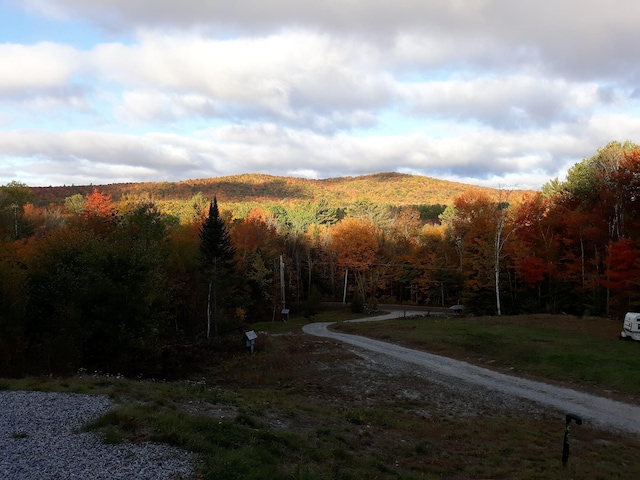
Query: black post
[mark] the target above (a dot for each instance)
(567, 434)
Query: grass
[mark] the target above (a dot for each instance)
(294, 325)
(585, 351)
(308, 408)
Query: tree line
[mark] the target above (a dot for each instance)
(109, 284)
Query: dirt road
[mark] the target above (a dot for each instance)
(605, 413)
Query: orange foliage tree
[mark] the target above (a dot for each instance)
(99, 213)
(98, 205)
(257, 246)
(480, 227)
(356, 247)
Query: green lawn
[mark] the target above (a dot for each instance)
(587, 351)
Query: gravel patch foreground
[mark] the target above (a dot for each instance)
(41, 438)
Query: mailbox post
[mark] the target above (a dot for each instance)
(567, 436)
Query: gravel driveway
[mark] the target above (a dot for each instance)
(602, 412)
(41, 439)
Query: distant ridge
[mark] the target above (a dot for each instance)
(386, 188)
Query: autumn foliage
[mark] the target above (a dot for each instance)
(95, 280)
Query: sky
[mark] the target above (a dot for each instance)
(500, 93)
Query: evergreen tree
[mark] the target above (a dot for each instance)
(217, 259)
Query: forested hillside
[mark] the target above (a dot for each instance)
(382, 188)
(109, 277)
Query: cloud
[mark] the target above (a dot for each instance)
(507, 102)
(37, 80)
(294, 77)
(141, 106)
(299, 78)
(253, 15)
(583, 37)
(487, 154)
(43, 66)
(491, 90)
(156, 151)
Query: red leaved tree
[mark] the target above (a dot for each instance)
(622, 272)
(99, 212)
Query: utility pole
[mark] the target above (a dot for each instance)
(282, 282)
(344, 295)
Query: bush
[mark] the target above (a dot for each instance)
(357, 305)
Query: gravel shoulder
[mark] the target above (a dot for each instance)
(598, 411)
(41, 439)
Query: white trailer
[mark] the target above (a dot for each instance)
(631, 328)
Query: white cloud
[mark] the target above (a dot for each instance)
(44, 65)
(153, 151)
(508, 102)
(141, 106)
(601, 129)
(494, 90)
(270, 148)
(299, 78)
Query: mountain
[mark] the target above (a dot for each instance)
(386, 188)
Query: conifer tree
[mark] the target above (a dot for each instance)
(216, 257)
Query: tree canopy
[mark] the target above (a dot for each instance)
(105, 281)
